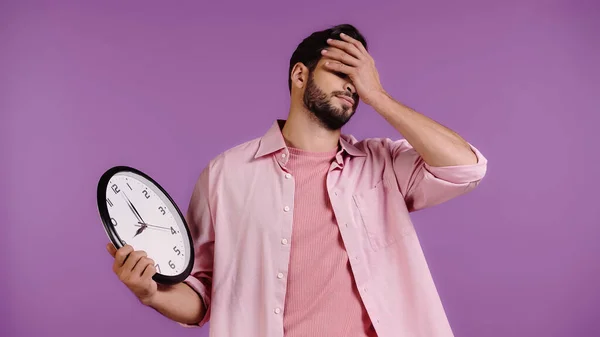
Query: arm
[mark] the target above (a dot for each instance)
(432, 164)
(438, 145)
(179, 303)
(423, 185)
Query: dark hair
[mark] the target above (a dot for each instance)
(308, 51)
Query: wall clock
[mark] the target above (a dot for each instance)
(136, 210)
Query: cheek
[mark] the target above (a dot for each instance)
(327, 81)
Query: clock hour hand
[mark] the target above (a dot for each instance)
(139, 231)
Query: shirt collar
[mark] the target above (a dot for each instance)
(272, 142)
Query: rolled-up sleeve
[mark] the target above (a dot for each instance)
(200, 222)
(424, 185)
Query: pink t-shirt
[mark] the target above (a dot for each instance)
(322, 298)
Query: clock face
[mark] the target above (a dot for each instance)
(143, 216)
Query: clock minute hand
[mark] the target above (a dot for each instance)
(138, 214)
(133, 209)
(152, 226)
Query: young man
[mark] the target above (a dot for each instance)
(306, 231)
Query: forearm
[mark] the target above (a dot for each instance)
(437, 145)
(179, 303)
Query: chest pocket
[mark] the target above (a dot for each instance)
(383, 215)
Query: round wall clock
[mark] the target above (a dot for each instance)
(136, 210)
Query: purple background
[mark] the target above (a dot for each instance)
(166, 86)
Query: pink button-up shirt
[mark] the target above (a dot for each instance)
(241, 214)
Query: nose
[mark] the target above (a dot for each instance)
(350, 88)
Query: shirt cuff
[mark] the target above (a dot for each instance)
(461, 174)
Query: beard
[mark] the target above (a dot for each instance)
(321, 107)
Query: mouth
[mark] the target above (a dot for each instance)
(346, 99)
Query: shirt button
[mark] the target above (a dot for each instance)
(280, 275)
(286, 209)
(283, 155)
(284, 241)
(277, 310)
(288, 176)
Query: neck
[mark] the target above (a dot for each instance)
(303, 131)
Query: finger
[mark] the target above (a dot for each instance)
(347, 47)
(133, 260)
(121, 255)
(340, 55)
(340, 67)
(149, 271)
(142, 264)
(111, 249)
(355, 43)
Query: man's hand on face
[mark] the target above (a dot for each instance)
(350, 57)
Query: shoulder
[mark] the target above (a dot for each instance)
(233, 160)
(240, 153)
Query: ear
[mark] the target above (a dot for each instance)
(299, 75)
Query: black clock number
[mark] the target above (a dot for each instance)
(145, 192)
(171, 264)
(173, 231)
(176, 250)
(162, 210)
(109, 202)
(157, 268)
(115, 188)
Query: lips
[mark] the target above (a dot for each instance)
(347, 99)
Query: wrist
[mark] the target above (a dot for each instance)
(381, 102)
(151, 300)
(147, 301)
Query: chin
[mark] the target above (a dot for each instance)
(346, 110)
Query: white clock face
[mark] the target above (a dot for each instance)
(144, 218)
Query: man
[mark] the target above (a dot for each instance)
(306, 231)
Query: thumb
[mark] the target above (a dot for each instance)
(111, 249)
